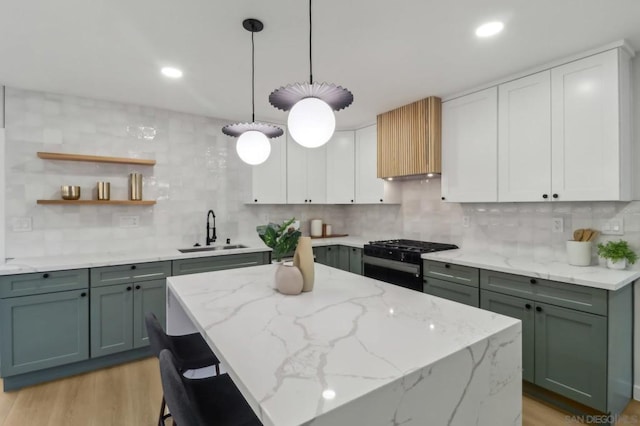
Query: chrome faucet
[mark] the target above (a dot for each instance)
(211, 238)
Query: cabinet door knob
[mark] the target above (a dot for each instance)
(555, 195)
(528, 306)
(138, 287)
(381, 200)
(352, 201)
(309, 199)
(538, 309)
(545, 196)
(305, 201)
(45, 275)
(255, 200)
(442, 198)
(129, 288)
(133, 266)
(83, 294)
(447, 266)
(533, 281)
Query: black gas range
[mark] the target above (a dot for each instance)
(398, 261)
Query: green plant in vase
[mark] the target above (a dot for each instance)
(617, 253)
(283, 238)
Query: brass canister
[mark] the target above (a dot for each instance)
(135, 186)
(104, 190)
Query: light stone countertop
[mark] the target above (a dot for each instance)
(590, 276)
(354, 350)
(93, 260)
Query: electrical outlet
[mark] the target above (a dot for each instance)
(466, 220)
(21, 224)
(613, 227)
(557, 224)
(129, 221)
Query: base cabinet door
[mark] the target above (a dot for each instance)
(355, 260)
(522, 309)
(111, 319)
(343, 258)
(333, 256)
(149, 296)
(43, 331)
(320, 254)
(571, 354)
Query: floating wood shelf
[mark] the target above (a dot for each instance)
(95, 158)
(100, 202)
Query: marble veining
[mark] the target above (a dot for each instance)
(355, 350)
(590, 276)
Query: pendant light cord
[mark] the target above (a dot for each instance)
(310, 58)
(253, 80)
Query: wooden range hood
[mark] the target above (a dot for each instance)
(409, 140)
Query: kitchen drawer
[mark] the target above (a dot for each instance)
(43, 282)
(218, 263)
(452, 291)
(582, 298)
(450, 272)
(110, 275)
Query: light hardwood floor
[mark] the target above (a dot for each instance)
(130, 394)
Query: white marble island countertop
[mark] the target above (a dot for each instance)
(590, 276)
(354, 351)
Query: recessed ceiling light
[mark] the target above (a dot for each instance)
(489, 29)
(171, 72)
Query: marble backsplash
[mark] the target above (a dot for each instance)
(197, 169)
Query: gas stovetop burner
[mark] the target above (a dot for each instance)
(404, 250)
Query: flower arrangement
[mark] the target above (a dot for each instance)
(283, 238)
(616, 251)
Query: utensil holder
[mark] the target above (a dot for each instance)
(579, 253)
(104, 190)
(135, 186)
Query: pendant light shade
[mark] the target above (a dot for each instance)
(253, 145)
(311, 119)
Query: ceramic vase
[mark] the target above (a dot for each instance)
(619, 264)
(288, 279)
(303, 259)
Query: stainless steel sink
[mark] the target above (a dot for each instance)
(212, 248)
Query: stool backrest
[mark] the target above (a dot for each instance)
(158, 339)
(182, 409)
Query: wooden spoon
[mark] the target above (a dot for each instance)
(577, 234)
(586, 235)
(594, 235)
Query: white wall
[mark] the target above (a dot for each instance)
(2, 178)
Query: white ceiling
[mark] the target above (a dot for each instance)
(388, 53)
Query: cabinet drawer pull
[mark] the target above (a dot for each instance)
(133, 266)
(533, 281)
(555, 195)
(83, 294)
(138, 287)
(129, 288)
(447, 266)
(545, 196)
(45, 275)
(538, 309)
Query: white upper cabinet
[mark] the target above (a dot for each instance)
(590, 103)
(307, 173)
(469, 147)
(369, 188)
(269, 179)
(524, 139)
(341, 168)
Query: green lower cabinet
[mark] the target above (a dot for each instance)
(117, 315)
(111, 319)
(343, 258)
(149, 296)
(452, 291)
(571, 354)
(320, 254)
(333, 256)
(219, 263)
(355, 260)
(43, 331)
(522, 309)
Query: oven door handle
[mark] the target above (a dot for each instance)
(392, 264)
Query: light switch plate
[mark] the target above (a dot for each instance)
(557, 224)
(613, 227)
(466, 220)
(22, 224)
(129, 221)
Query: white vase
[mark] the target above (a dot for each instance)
(288, 279)
(619, 264)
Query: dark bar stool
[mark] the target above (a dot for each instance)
(191, 352)
(197, 402)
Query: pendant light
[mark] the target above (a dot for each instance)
(311, 119)
(253, 145)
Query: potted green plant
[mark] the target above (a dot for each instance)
(283, 238)
(617, 253)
